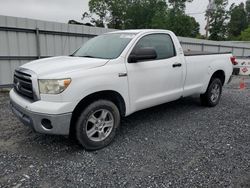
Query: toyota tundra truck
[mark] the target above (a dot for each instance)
(111, 76)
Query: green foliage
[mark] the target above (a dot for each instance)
(146, 14)
(199, 36)
(238, 20)
(245, 35)
(121, 14)
(179, 5)
(101, 9)
(162, 14)
(248, 11)
(218, 20)
(143, 14)
(181, 24)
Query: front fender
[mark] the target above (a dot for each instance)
(96, 80)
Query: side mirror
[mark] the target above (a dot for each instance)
(141, 54)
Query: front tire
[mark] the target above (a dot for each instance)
(213, 94)
(97, 125)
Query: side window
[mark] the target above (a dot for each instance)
(162, 43)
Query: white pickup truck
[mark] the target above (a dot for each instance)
(112, 76)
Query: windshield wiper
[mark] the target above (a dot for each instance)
(89, 56)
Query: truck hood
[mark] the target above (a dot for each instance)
(63, 64)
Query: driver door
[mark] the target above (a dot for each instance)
(156, 81)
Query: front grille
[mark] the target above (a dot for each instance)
(23, 84)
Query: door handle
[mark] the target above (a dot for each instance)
(177, 65)
(124, 74)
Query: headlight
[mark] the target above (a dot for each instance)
(53, 86)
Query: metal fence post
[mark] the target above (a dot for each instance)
(38, 43)
(219, 48)
(243, 52)
(202, 47)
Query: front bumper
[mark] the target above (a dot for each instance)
(58, 124)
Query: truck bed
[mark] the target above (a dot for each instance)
(196, 53)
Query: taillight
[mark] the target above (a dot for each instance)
(233, 60)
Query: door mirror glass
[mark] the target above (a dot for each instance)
(142, 54)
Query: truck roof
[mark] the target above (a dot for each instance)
(136, 31)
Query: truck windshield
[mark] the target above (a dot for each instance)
(107, 46)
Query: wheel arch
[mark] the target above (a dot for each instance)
(110, 95)
(219, 74)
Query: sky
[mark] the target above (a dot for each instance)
(64, 10)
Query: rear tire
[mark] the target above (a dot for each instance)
(97, 125)
(213, 94)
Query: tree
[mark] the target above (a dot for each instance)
(120, 14)
(218, 20)
(146, 14)
(101, 9)
(248, 11)
(245, 35)
(143, 14)
(238, 20)
(181, 24)
(194, 27)
(179, 5)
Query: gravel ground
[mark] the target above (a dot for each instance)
(179, 144)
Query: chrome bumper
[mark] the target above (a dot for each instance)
(43, 123)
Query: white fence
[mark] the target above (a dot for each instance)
(23, 40)
(240, 50)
